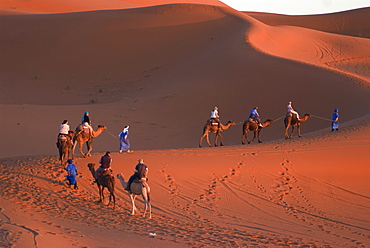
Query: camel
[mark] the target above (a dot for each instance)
(138, 188)
(105, 180)
(292, 121)
(250, 125)
(64, 146)
(209, 128)
(82, 136)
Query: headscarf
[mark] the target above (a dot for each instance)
(83, 117)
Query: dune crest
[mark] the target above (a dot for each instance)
(344, 54)
(67, 6)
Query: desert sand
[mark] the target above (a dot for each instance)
(161, 67)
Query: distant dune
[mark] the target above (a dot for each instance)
(161, 67)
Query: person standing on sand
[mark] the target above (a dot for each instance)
(335, 120)
(291, 110)
(71, 173)
(124, 142)
(140, 173)
(105, 164)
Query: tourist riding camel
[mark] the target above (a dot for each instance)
(140, 174)
(291, 110)
(105, 164)
(255, 116)
(215, 118)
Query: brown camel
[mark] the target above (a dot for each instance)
(250, 125)
(83, 135)
(64, 147)
(291, 120)
(105, 180)
(210, 127)
(138, 188)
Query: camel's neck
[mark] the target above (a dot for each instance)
(303, 119)
(97, 132)
(225, 127)
(92, 170)
(123, 183)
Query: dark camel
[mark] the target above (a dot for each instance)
(81, 137)
(209, 128)
(138, 188)
(105, 180)
(250, 125)
(64, 146)
(291, 120)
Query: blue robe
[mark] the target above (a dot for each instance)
(334, 124)
(124, 144)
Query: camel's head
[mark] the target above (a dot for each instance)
(91, 165)
(307, 115)
(119, 176)
(102, 127)
(231, 123)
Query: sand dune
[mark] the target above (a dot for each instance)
(161, 69)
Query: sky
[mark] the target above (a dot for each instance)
(296, 7)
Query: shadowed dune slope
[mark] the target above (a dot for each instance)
(160, 70)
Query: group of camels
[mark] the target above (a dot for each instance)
(107, 180)
(290, 120)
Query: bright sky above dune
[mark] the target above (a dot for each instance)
(296, 7)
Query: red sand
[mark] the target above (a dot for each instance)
(161, 69)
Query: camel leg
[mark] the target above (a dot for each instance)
(80, 145)
(286, 131)
(101, 192)
(243, 135)
(89, 148)
(73, 149)
(254, 137)
(291, 134)
(218, 136)
(258, 136)
(299, 130)
(112, 196)
(133, 203)
(201, 140)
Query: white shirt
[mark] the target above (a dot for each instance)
(214, 114)
(64, 128)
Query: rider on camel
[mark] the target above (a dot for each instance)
(254, 116)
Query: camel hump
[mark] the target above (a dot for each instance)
(212, 122)
(142, 181)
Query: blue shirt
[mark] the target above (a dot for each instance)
(71, 169)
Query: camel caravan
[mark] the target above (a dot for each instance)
(103, 176)
(252, 124)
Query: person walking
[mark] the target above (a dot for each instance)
(124, 142)
(71, 169)
(335, 120)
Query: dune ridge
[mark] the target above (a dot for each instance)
(161, 69)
